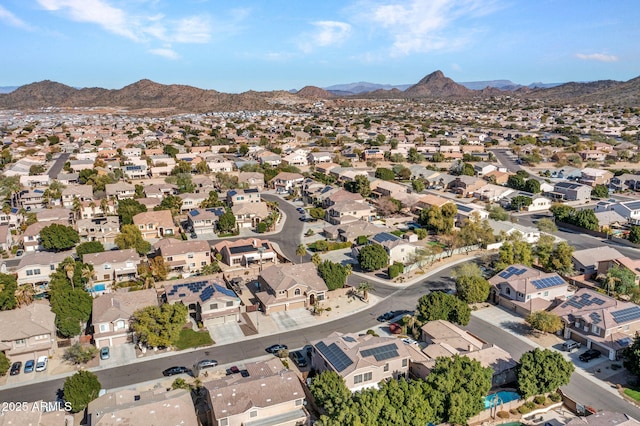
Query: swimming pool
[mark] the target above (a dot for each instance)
(500, 397)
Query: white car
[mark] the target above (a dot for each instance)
(409, 341)
(42, 362)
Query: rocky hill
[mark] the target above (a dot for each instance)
(313, 92)
(436, 85)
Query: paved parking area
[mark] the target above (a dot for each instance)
(119, 355)
(292, 319)
(229, 332)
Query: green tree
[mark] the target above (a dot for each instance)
(373, 257)
(8, 186)
(587, 219)
(459, 385)
(5, 364)
(317, 213)
(211, 201)
(516, 182)
(79, 354)
(436, 219)
(159, 326)
(472, 289)
(634, 234)
(514, 252)
(541, 371)
(131, 237)
(498, 213)
(532, 186)
(80, 389)
(547, 225)
(8, 288)
(89, 247)
(520, 201)
(561, 258)
(562, 212)
(69, 300)
(364, 288)
(544, 250)
(600, 191)
(619, 280)
(185, 184)
(333, 274)
(301, 251)
(330, 392)
(442, 306)
(413, 156)
(385, 174)
(467, 170)
(417, 185)
(362, 185)
(128, 208)
(181, 167)
(170, 202)
(227, 222)
(631, 357)
(544, 321)
(59, 237)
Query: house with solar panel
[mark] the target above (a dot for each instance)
(361, 360)
(599, 322)
(208, 302)
(524, 289)
(203, 221)
(136, 171)
(399, 249)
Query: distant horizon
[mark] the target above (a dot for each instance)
(234, 47)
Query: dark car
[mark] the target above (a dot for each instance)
(244, 373)
(588, 355)
(274, 349)
(15, 368)
(299, 358)
(207, 363)
(29, 366)
(233, 370)
(172, 371)
(300, 210)
(388, 316)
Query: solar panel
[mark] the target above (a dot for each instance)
(384, 236)
(548, 282)
(508, 272)
(595, 317)
(334, 355)
(625, 315)
(381, 352)
(348, 339)
(521, 271)
(625, 341)
(224, 290)
(194, 213)
(598, 301)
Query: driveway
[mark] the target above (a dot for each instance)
(228, 332)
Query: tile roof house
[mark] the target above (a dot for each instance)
(252, 179)
(352, 230)
(248, 215)
(362, 360)
(599, 321)
(243, 196)
(155, 224)
(586, 261)
(285, 181)
(592, 177)
(36, 268)
(204, 220)
(268, 396)
(207, 301)
(103, 229)
(246, 251)
(134, 407)
(289, 286)
(339, 195)
(464, 185)
(184, 257)
(28, 332)
(112, 266)
(348, 211)
(112, 312)
(571, 191)
(120, 190)
(524, 289)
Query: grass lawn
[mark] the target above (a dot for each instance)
(193, 339)
(631, 393)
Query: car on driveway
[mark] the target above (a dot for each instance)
(299, 358)
(300, 210)
(274, 349)
(172, 371)
(233, 370)
(29, 366)
(15, 368)
(589, 354)
(570, 345)
(104, 353)
(42, 362)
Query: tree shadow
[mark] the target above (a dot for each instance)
(518, 327)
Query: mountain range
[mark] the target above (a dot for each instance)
(146, 95)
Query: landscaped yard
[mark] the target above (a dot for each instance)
(631, 393)
(193, 339)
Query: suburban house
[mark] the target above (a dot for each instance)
(284, 181)
(112, 266)
(30, 238)
(538, 202)
(599, 321)
(103, 229)
(36, 268)
(529, 234)
(120, 190)
(243, 196)
(630, 210)
(571, 191)
(191, 201)
(79, 192)
(252, 180)
(320, 157)
(6, 239)
(482, 168)
(466, 185)
(204, 220)
(184, 257)
(269, 395)
(525, 290)
(248, 215)
(362, 360)
(289, 286)
(469, 211)
(352, 230)
(29, 199)
(155, 224)
(151, 407)
(112, 312)
(297, 158)
(588, 261)
(348, 211)
(28, 332)
(136, 171)
(208, 302)
(338, 195)
(592, 177)
(246, 252)
(268, 157)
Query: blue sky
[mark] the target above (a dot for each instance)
(234, 46)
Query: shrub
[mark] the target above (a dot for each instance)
(261, 228)
(530, 405)
(503, 414)
(394, 271)
(540, 399)
(523, 409)
(555, 397)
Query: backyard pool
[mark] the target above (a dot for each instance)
(501, 397)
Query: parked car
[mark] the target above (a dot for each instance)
(15, 368)
(299, 358)
(233, 370)
(387, 316)
(588, 355)
(244, 373)
(172, 371)
(104, 353)
(570, 345)
(274, 349)
(207, 363)
(42, 362)
(409, 341)
(300, 210)
(29, 366)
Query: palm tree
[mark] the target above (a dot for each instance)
(316, 259)
(365, 287)
(610, 281)
(24, 294)
(104, 206)
(76, 207)
(87, 274)
(411, 321)
(70, 269)
(301, 251)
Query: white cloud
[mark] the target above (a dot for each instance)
(13, 20)
(327, 33)
(165, 52)
(195, 29)
(597, 57)
(426, 25)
